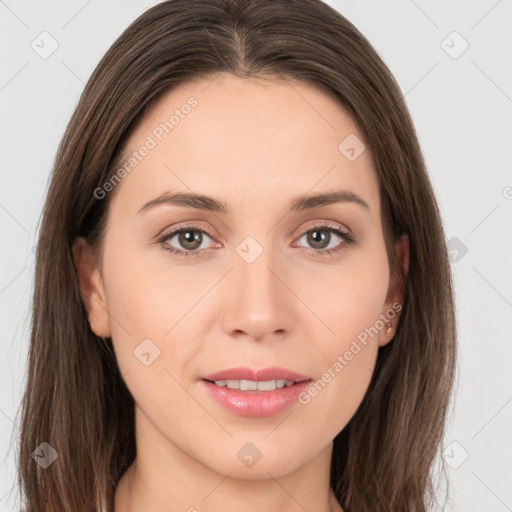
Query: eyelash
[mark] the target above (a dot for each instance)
(347, 238)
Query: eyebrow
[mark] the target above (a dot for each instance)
(300, 203)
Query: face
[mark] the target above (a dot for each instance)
(258, 277)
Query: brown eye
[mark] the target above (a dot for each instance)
(326, 240)
(318, 238)
(187, 241)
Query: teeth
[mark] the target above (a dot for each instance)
(233, 384)
(248, 385)
(266, 385)
(251, 385)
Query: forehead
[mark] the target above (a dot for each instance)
(246, 140)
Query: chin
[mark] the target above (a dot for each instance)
(259, 460)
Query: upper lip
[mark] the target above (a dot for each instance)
(256, 374)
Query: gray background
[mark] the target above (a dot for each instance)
(461, 103)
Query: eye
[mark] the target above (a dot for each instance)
(322, 242)
(189, 239)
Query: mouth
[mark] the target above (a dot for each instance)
(253, 385)
(247, 377)
(255, 392)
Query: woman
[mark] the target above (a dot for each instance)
(242, 295)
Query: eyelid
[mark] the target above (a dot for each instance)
(325, 224)
(167, 232)
(313, 224)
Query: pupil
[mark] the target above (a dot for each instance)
(318, 237)
(190, 237)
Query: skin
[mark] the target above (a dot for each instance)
(255, 145)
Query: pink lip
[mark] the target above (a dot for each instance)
(256, 403)
(257, 374)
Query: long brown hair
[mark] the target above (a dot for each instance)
(76, 399)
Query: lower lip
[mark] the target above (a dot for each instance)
(258, 404)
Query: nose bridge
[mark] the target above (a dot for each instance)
(258, 304)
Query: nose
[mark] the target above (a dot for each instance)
(258, 303)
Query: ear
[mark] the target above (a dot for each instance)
(91, 287)
(395, 296)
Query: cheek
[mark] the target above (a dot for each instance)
(143, 309)
(332, 400)
(350, 305)
(348, 298)
(149, 333)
